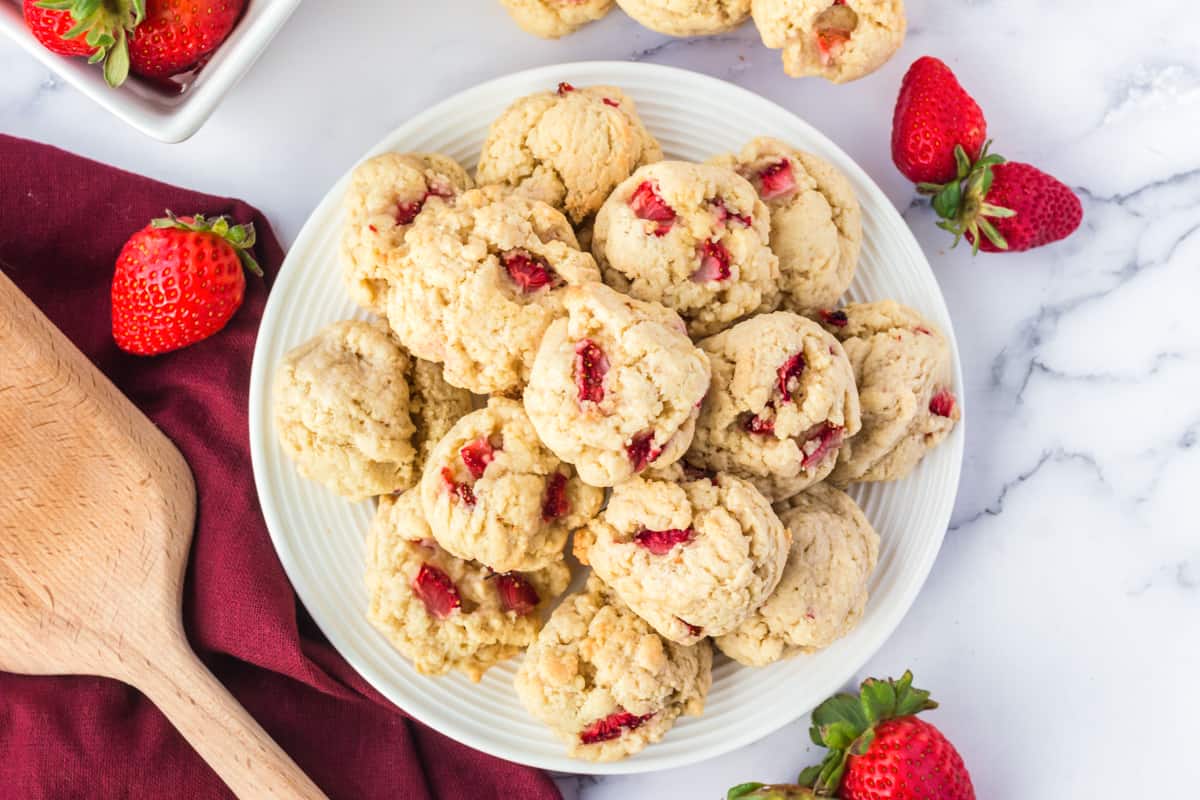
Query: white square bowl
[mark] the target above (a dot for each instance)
(166, 117)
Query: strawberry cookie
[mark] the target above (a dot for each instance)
(386, 195)
(606, 683)
(616, 386)
(782, 402)
(493, 493)
(551, 19)
(442, 612)
(342, 410)
(903, 370)
(568, 148)
(693, 558)
(839, 40)
(687, 17)
(823, 591)
(816, 221)
(481, 282)
(694, 237)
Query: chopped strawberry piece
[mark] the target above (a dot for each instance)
(529, 272)
(723, 213)
(612, 726)
(477, 455)
(439, 190)
(608, 101)
(923, 330)
(464, 492)
(828, 438)
(564, 87)
(516, 593)
(407, 212)
(789, 372)
(694, 630)
(660, 542)
(763, 426)
(714, 263)
(641, 450)
(943, 403)
(837, 319)
(834, 27)
(555, 504)
(646, 204)
(436, 591)
(777, 180)
(591, 365)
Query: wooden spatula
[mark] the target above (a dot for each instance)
(96, 514)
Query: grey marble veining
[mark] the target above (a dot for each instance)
(1060, 627)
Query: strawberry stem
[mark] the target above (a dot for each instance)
(961, 203)
(240, 237)
(105, 25)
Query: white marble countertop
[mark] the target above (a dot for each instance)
(1061, 625)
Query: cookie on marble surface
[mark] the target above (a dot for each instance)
(687, 17)
(386, 194)
(493, 493)
(903, 370)
(342, 410)
(782, 402)
(835, 40)
(442, 612)
(481, 282)
(606, 683)
(568, 148)
(693, 558)
(823, 591)
(816, 220)
(551, 19)
(616, 386)
(694, 237)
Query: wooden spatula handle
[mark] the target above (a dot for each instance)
(221, 731)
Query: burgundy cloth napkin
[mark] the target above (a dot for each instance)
(63, 220)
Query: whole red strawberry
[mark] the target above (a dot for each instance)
(179, 280)
(178, 34)
(97, 30)
(1043, 208)
(933, 115)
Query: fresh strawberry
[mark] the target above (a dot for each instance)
(662, 542)
(933, 116)
(611, 726)
(436, 591)
(641, 450)
(177, 35)
(98, 30)
(477, 455)
(770, 791)
(179, 280)
(555, 504)
(516, 593)
(591, 365)
(1043, 210)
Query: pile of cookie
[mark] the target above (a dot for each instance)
(684, 404)
(839, 40)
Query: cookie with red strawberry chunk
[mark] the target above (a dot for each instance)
(816, 220)
(478, 283)
(493, 493)
(693, 558)
(342, 410)
(782, 404)
(178, 281)
(839, 40)
(905, 373)
(96, 30)
(568, 147)
(933, 116)
(604, 682)
(444, 613)
(694, 237)
(385, 196)
(177, 35)
(551, 19)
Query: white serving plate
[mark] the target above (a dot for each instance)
(168, 118)
(319, 537)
